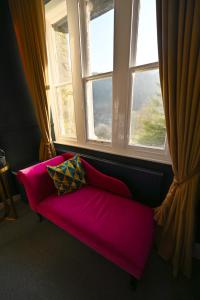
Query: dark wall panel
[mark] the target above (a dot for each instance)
(19, 133)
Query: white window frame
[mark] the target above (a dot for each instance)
(121, 81)
(154, 153)
(86, 77)
(55, 11)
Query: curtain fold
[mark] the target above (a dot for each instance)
(29, 24)
(179, 57)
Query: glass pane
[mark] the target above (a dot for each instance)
(62, 48)
(147, 115)
(100, 30)
(147, 51)
(99, 109)
(65, 107)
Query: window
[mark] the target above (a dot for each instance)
(61, 73)
(147, 121)
(99, 109)
(98, 67)
(104, 76)
(147, 116)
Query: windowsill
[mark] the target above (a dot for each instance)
(153, 155)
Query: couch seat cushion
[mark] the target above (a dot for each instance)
(118, 228)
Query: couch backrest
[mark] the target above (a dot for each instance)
(38, 184)
(101, 180)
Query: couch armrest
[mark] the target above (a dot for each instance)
(37, 182)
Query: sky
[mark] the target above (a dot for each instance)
(101, 33)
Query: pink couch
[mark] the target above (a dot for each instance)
(101, 214)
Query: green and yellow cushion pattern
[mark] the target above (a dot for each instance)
(68, 176)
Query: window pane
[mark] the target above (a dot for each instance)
(99, 109)
(101, 28)
(147, 33)
(65, 107)
(62, 48)
(147, 115)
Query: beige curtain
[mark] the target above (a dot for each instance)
(179, 55)
(29, 24)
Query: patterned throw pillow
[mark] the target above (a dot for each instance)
(68, 176)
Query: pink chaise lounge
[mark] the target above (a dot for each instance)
(101, 214)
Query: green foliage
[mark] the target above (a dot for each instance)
(103, 131)
(149, 124)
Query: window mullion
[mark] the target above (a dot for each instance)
(98, 76)
(134, 31)
(84, 33)
(132, 58)
(146, 67)
(122, 35)
(78, 89)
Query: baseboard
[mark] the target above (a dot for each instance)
(196, 251)
(16, 198)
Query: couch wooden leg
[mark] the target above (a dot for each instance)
(40, 217)
(133, 283)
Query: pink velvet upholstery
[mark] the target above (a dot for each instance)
(37, 182)
(102, 181)
(99, 214)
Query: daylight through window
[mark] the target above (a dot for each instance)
(99, 17)
(147, 125)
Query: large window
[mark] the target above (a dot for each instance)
(104, 76)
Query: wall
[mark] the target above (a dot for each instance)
(19, 133)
